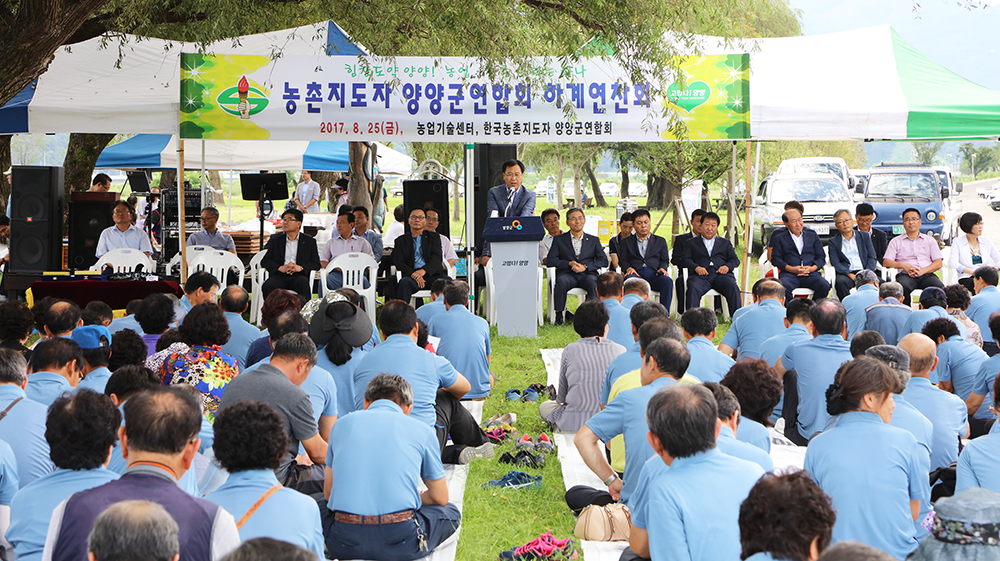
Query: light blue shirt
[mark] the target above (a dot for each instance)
(241, 334)
(45, 387)
(888, 317)
(742, 310)
(772, 349)
(816, 362)
(707, 363)
(856, 304)
(127, 322)
(630, 300)
(33, 505)
(850, 249)
(343, 377)
(871, 471)
(694, 507)
(287, 515)
(9, 480)
(216, 240)
(918, 318)
(96, 380)
(622, 364)
(375, 340)
(977, 465)
(374, 239)
(626, 415)
(309, 191)
(430, 309)
(958, 362)
(131, 238)
(947, 414)
(425, 371)
(371, 480)
(418, 252)
(908, 418)
(465, 342)
(728, 444)
(619, 324)
(765, 320)
(983, 304)
(652, 469)
(985, 379)
(754, 433)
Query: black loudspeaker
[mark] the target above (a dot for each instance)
(87, 219)
(36, 219)
(489, 159)
(429, 193)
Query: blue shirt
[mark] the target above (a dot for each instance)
(425, 371)
(216, 240)
(888, 317)
(131, 238)
(707, 363)
(465, 342)
(381, 479)
(652, 469)
(24, 429)
(127, 322)
(694, 507)
(918, 318)
(763, 321)
(374, 239)
(856, 304)
(977, 465)
(9, 480)
(241, 335)
(622, 364)
(343, 377)
(431, 309)
(772, 349)
(744, 309)
(626, 415)
(816, 361)
(728, 444)
(322, 390)
(947, 414)
(908, 418)
(96, 380)
(630, 300)
(754, 433)
(871, 471)
(45, 387)
(32, 507)
(259, 349)
(958, 362)
(375, 340)
(619, 324)
(287, 515)
(983, 304)
(985, 379)
(418, 253)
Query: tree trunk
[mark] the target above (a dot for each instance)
(598, 196)
(655, 192)
(359, 190)
(326, 179)
(624, 170)
(81, 156)
(459, 174)
(4, 166)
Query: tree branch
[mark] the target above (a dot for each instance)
(558, 7)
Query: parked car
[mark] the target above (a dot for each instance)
(637, 190)
(396, 189)
(610, 189)
(986, 189)
(569, 189)
(892, 188)
(835, 166)
(822, 194)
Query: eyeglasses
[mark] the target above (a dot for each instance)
(122, 213)
(416, 217)
(289, 219)
(513, 174)
(206, 219)
(842, 222)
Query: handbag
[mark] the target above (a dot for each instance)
(607, 523)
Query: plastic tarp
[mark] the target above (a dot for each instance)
(159, 151)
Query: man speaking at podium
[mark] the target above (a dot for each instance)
(510, 199)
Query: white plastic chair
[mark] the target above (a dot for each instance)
(710, 304)
(766, 265)
(258, 275)
(578, 292)
(355, 268)
(426, 293)
(218, 264)
(915, 298)
(124, 260)
(490, 294)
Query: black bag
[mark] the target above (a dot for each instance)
(943, 481)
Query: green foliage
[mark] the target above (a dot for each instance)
(926, 152)
(773, 153)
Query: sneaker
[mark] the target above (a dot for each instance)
(516, 480)
(525, 443)
(501, 420)
(527, 459)
(544, 444)
(529, 395)
(542, 390)
(544, 547)
(499, 434)
(513, 394)
(470, 453)
(507, 458)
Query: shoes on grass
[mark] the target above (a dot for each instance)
(544, 444)
(544, 547)
(513, 395)
(499, 434)
(472, 452)
(523, 458)
(529, 394)
(505, 419)
(525, 443)
(516, 480)
(542, 390)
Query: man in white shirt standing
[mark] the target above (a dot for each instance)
(123, 234)
(346, 241)
(307, 194)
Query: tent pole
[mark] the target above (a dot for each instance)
(204, 188)
(180, 210)
(229, 209)
(745, 274)
(470, 222)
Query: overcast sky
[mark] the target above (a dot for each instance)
(965, 41)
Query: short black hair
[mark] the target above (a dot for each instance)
(644, 311)
(16, 321)
(670, 356)
(795, 205)
(994, 325)
(201, 279)
(155, 314)
(39, 309)
(864, 209)
(968, 220)
(782, 515)
(56, 353)
(414, 209)
(987, 274)
(249, 435)
(590, 320)
(167, 338)
(399, 213)
(132, 306)
(130, 380)
(512, 163)
(575, 209)
(958, 296)
(938, 327)
(909, 210)
(610, 284)
(725, 400)
(128, 206)
(62, 316)
(80, 428)
(127, 347)
(162, 421)
(864, 340)
(269, 549)
(397, 317)
(234, 299)
(211, 210)
(361, 209)
(756, 386)
(423, 334)
(352, 295)
(288, 322)
(101, 178)
(698, 212)
(549, 211)
(828, 316)
(771, 289)
(625, 217)
(798, 309)
(711, 216)
(683, 420)
(98, 310)
(294, 212)
(641, 212)
(699, 321)
(657, 328)
(755, 289)
(206, 325)
(346, 212)
(437, 287)
(98, 357)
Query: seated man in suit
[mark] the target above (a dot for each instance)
(865, 214)
(677, 255)
(850, 251)
(646, 255)
(577, 257)
(710, 261)
(798, 254)
(291, 258)
(511, 198)
(417, 256)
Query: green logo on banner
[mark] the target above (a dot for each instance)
(229, 100)
(695, 95)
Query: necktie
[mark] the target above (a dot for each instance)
(510, 201)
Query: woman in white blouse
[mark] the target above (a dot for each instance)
(971, 250)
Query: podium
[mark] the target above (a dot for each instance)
(514, 244)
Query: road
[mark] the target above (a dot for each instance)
(972, 203)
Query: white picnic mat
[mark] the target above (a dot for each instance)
(552, 358)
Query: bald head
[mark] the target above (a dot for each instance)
(922, 351)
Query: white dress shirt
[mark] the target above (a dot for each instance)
(291, 249)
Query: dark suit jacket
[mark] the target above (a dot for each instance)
(881, 242)
(865, 250)
(591, 256)
(677, 259)
(430, 247)
(524, 201)
(657, 254)
(695, 255)
(307, 256)
(785, 252)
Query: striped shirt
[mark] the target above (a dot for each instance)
(581, 373)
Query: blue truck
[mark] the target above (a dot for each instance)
(892, 188)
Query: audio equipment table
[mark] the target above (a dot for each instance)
(116, 294)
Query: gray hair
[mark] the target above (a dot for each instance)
(456, 293)
(389, 386)
(269, 549)
(841, 211)
(13, 367)
(213, 210)
(635, 285)
(683, 419)
(293, 346)
(130, 530)
(863, 277)
(891, 290)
